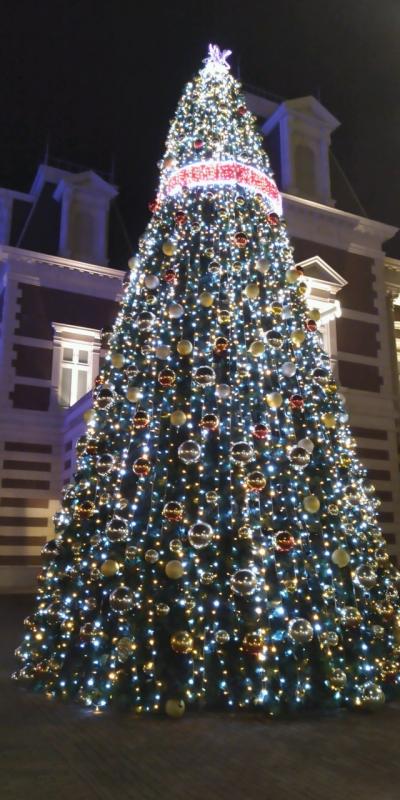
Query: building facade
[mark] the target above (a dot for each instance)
(58, 290)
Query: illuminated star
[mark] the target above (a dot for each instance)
(216, 60)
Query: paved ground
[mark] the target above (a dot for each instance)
(49, 751)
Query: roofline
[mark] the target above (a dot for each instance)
(58, 261)
(388, 231)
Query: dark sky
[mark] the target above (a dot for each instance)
(100, 80)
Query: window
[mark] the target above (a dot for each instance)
(76, 358)
(74, 382)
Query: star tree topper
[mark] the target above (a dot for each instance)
(217, 60)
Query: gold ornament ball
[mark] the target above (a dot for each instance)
(257, 348)
(184, 347)
(329, 420)
(311, 503)
(168, 248)
(178, 418)
(224, 317)
(133, 262)
(133, 394)
(302, 289)
(292, 276)
(175, 708)
(340, 557)
(88, 415)
(162, 351)
(252, 291)
(344, 461)
(181, 642)
(206, 299)
(117, 360)
(274, 399)
(297, 338)
(174, 570)
(314, 314)
(330, 387)
(109, 568)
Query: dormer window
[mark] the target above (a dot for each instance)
(304, 129)
(305, 170)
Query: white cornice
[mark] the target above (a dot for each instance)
(11, 194)
(28, 256)
(379, 232)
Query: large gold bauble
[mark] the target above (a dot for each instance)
(206, 299)
(181, 642)
(178, 418)
(184, 347)
(168, 247)
(340, 557)
(314, 314)
(133, 394)
(329, 420)
(174, 570)
(109, 568)
(257, 348)
(175, 708)
(292, 276)
(297, 338)
(311, 503)
(274, 399)
(117, 360)
(252, 291)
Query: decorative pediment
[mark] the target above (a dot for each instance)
(322, 276)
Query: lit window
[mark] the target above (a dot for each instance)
(74, 382)
(76, 358)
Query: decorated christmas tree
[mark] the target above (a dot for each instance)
(218, 546)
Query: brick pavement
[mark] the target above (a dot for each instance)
(51, 751)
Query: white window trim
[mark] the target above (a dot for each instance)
(76, 337)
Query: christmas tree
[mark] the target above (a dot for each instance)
(219, 545)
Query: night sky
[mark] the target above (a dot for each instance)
(99, 82)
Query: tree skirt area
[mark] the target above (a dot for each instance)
(49, 750)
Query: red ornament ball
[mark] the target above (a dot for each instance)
(180, 217)
(153, 206)
(166, 377)
(198, 144)
(300, 270)
(260, 431)
(140, 420)
(273, 219)
(240, 239)
(311, 325)
(141, 466)
(170, 276)
(209, 422)
(86, 509)
(173, 511)
(252, 644)
(241, 111)
(284, 542)
(221, 345)
(296, 402)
